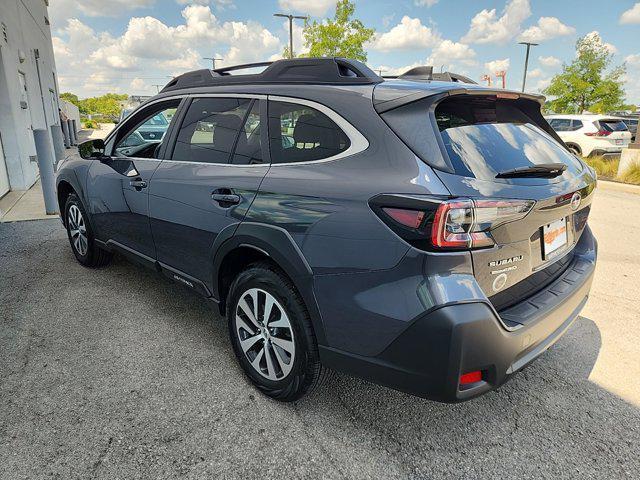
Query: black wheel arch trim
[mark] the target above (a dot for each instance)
(278, 245)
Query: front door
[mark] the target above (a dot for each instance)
(118, 186)
(208, 181)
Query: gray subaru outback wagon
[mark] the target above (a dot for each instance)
(422, 232)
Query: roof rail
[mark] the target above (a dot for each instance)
(425, 72)
(331, 71)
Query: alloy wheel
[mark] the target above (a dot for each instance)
(265, 334)
(77, 230)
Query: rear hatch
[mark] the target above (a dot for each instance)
(531, 196)
(613, 130)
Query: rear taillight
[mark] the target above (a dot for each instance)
(599, 133)
(457, 224)
(463, 224)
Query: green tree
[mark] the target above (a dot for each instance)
(343, 36)
(70, 97)
(589, 82)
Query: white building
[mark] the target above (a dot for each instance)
(28, 89)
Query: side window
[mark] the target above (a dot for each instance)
(561, 124)
(249, 146)
(149, 127)
(298, 133)
(209, 129)
(576, 125)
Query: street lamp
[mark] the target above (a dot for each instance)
(290, 17)
(526, 61)
(213, 61)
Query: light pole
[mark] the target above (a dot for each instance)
(290, 17)
(213, 61)
(526, 61)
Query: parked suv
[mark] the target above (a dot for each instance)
(587, 135)
(430, 236)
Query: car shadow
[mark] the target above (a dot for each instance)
(550, 420)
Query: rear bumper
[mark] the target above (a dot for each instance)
(428, 357)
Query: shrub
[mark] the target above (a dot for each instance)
(604, 167)
(89, 124)
(632, 175)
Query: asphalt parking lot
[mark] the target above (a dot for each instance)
(119, 373)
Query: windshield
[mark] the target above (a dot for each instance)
(485, 136)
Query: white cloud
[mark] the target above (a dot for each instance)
(542, 84)
(316, 8)
(219, 4)
(632, 15)
(60, 10)
(546, 29)
(497, 65)
(595, 35)
(550, 61)
(425, 3)
(633, 60)
(449, 54)
(410, 33)
(90, 62)
(486, 27)
(535, 73)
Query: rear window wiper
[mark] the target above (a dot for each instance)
(543, 170)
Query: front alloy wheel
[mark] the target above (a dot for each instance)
(265, 334)
(78, 230)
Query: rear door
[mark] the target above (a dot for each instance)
(207, 181)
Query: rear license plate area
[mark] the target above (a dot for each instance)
(554, 238)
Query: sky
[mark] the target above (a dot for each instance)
(130, 46)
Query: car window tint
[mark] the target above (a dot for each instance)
(209, 129)
(298, 133)
(148, 132)
(484, 136)
(249, 146)
(576, 125)
(613, 125)
(561, 124)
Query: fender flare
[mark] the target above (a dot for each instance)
(278, 245)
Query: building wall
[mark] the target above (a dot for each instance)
(71, 111)
(27, 36)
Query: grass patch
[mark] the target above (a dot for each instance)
(632, 175)
(607, 168)
(604, 167)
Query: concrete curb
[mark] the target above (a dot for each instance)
(619, 187)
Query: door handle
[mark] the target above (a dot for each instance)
(225, 197)
(138, 184)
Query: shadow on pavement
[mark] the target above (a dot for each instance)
(119, 372)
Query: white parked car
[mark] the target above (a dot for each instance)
(587, 135)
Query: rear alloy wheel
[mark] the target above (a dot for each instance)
(271, 333)
(265, 334)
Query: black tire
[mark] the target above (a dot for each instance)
(574, 149)
(306, 371)
(87, 252)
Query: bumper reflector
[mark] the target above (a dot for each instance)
(471, 377)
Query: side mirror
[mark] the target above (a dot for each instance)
(91, 148)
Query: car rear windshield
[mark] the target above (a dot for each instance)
(485, 135)
(613, 125)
